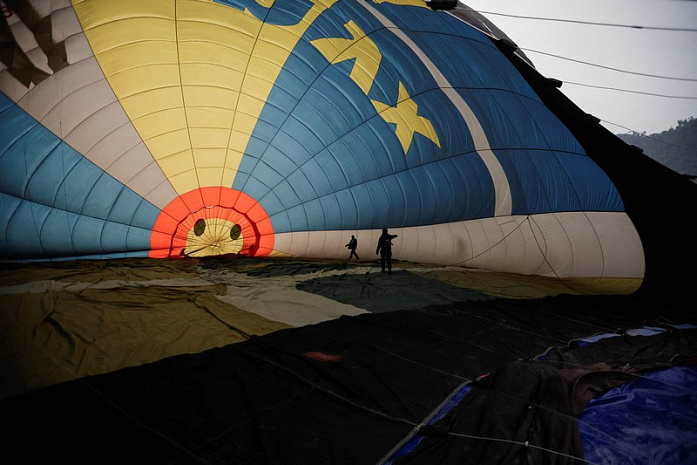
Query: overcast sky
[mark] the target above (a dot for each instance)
(645, 50)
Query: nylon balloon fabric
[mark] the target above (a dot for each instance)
(279, 128)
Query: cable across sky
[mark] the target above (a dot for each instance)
(592, 23)
(629, 61)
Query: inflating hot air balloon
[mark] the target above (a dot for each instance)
(139, 129)
(262, 128)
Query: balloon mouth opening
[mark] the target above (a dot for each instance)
(212, 222)
(217, 233)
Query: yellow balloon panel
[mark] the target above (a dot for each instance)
(208, 157)
(193, 77)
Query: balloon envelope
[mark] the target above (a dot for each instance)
(198, 127)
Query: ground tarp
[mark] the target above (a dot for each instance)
(352, 381)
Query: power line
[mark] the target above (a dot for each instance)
(609, 67)
(681, 147)
(620, 126)
(603, 66)
(630, 91)
(655, 28)
(684, 149)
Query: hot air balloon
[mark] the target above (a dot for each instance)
(149, 131)
(268, 128)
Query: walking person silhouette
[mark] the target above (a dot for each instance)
(353, 243)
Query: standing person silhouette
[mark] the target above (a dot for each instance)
(353, 243)
(385, 250)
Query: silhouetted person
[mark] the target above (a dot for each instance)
(385, 250)
(353, 243)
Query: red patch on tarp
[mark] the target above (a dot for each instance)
(322, 357)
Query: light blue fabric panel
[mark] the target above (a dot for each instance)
(56, 202)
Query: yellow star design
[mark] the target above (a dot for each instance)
(407, 121)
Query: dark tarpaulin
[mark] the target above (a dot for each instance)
(528, 408)
(346, 391)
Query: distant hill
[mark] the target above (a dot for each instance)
(675, 148)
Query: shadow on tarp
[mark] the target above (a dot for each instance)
(280, 267)
(383, 292)
(495, 284)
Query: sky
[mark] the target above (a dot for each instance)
(653, 49)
